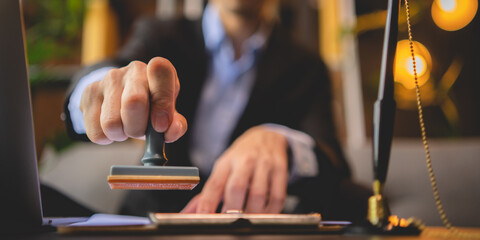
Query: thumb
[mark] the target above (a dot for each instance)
(162, 79)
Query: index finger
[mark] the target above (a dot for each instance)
(191, 206)
(212, 192)
(164, 87)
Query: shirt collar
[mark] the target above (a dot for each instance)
(214, 33)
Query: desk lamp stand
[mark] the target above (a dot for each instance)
(379, 220)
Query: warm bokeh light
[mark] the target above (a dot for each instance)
(448, 5)
(452, 15)
(403, 69)
(419, 62)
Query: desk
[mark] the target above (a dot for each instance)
(428, 233)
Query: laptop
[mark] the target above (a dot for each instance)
(20, 202)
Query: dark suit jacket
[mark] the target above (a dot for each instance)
(292, 89)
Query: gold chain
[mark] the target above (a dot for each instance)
(433, 181)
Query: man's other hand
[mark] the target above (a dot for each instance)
(118, 106)
(250, 176)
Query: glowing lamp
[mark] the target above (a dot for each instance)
(403, 68)
(452, 15)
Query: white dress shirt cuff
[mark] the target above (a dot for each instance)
(304, 162)
(74, 104)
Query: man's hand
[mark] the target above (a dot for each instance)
(251, 176)
(118, 106)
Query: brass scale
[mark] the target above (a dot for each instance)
(384, 111)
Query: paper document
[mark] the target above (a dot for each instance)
(101, 219)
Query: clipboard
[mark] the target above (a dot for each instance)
(237, 219)
(242, 223)
(216, 223)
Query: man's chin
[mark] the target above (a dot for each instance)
(246, 13)
(246, 8)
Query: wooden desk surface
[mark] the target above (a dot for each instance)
(428, 234)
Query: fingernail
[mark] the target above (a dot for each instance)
(181, 128)
(160, 121)
(174, 133)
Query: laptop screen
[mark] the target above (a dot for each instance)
(20, 196)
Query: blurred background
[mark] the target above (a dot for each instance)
(64, 35)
